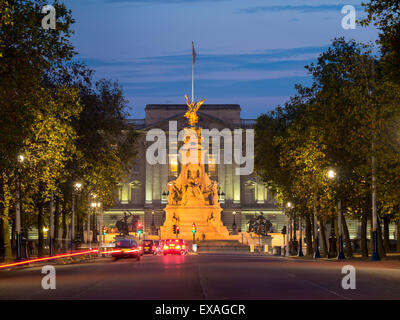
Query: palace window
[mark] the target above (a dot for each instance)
(124, 193)
(136, 192)
(173, 164)
(211, 164)
(249, 193)
(119, 192)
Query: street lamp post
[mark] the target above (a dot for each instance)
(21, 159)
(290, 235)
(375, 253)
(341, 256)
(372, 93)
(317, 254)
(288, 206)
(88, 239)
(95, 230)
(234, 228)
(76, 187)
(101, 222)
(94, 205)
(153, 226)
(300, 253)
(51, 235)
(287, 238)
(295, 244)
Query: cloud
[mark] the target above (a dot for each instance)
(270, 64)
(254, 80)
(299, 8)
(156, 1)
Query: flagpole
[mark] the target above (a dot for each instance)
(192, 73)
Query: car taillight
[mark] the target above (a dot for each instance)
(165, 247)
(178, 247)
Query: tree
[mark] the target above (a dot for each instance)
(5, 19)
(67, 126)
(27, 51)
(49, 147)
(348, 115)
(279, 139)
(384, 15)
(106, 144)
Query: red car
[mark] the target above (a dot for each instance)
(175, 246)
(149, 246)
(126, 249)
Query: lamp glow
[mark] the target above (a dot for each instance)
(331, 174)
(78, 186)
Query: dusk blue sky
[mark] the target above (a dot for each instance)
(250, 52)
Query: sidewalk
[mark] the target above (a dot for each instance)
(391, 261)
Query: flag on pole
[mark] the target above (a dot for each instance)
(194, 55)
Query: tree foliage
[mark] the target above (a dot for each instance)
(385, 15)
(348, 115)
(67, 126)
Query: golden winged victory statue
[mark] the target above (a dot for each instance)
(191, 114)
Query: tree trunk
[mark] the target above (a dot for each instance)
(294, 227)
(40, 231)
(57, 224)
(381, 249)
(64, 228)
(1, 240)
(336, 229)
(309, 242)
(94, 228)
(13, 232)
(363, 240)
(371, 238)
(5, 210)
(398, 236)
(8, 256)
(324, 247)
(386, 241)
(346, 235)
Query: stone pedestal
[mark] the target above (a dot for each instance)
(207, 220)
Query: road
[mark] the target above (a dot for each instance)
(205, 276)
